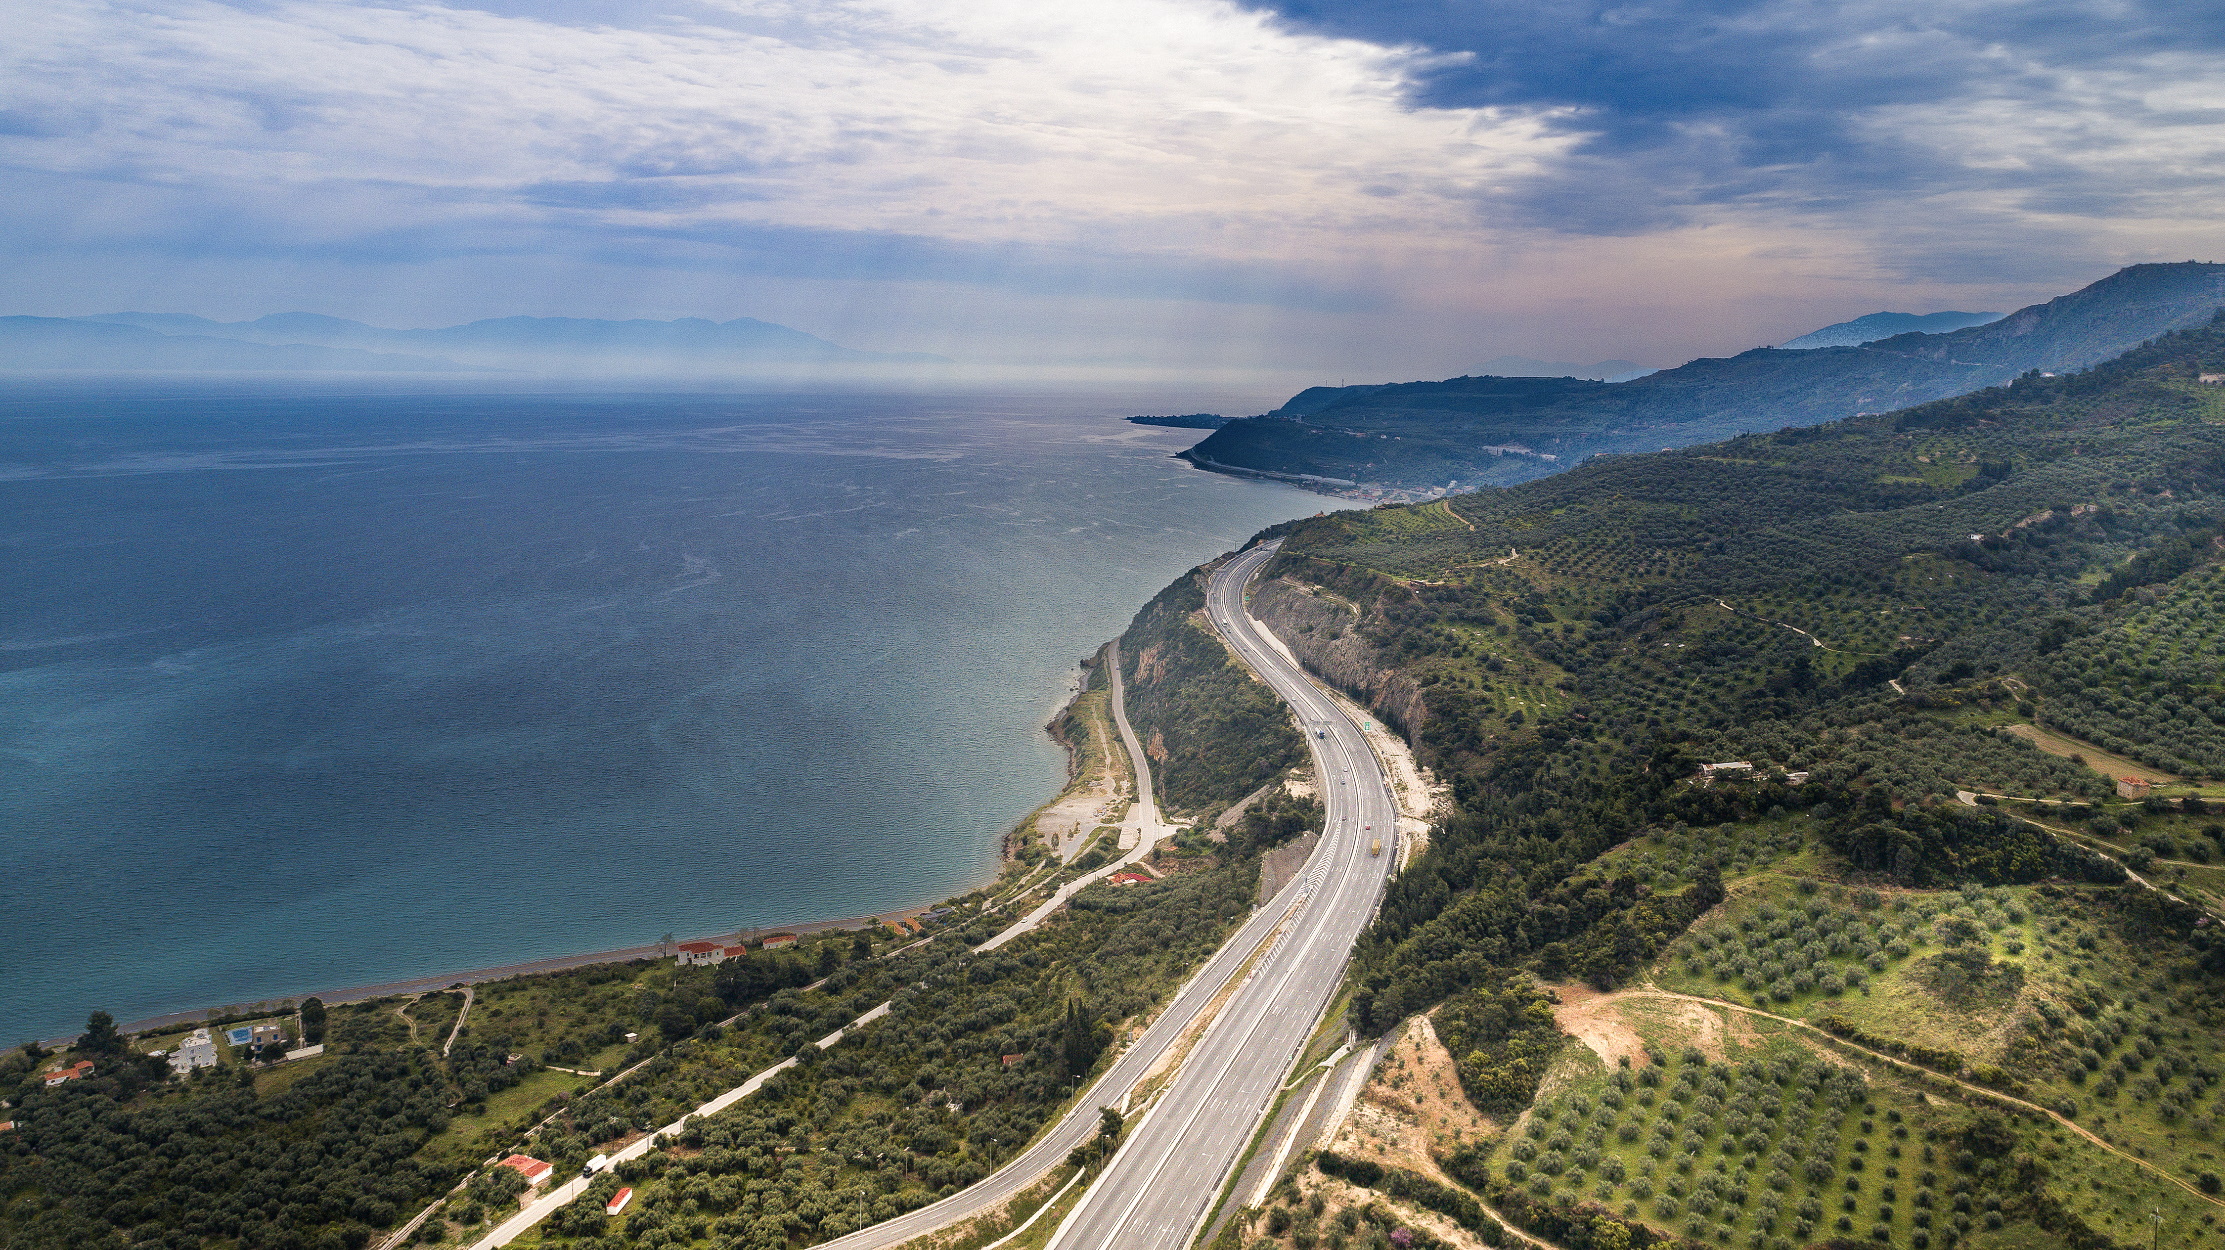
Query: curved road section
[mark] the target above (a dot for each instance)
(1158, 1187)
(1161, 1184)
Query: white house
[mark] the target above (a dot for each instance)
(706, 953)
(196, 1050)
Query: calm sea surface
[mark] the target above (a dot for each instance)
(299, 694)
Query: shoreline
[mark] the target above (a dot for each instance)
(497, 972)
(627, 954)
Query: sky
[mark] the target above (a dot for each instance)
(1314, 190)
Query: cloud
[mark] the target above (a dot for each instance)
(1186, 139)
(1398, 186)
(1859, 109)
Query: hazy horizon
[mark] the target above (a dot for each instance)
(1145, 189)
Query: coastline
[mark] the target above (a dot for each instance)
(499, 972)
(628, 954)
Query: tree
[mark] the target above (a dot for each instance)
(312, 1021)
(675, 1021)
(1707, 887)
(1080, 1040)
(101, 1037)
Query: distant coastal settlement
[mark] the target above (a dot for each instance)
(1192, 421)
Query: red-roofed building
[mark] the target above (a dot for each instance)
(701, 953)
(533, 1170)
(1009, 1060)
(774, 941)
(2133, 787)
(83, 1067)
(618, 1202)
(1130, 878)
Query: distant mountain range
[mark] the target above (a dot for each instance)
(1530, 367)
(1884, 325)
(308, 342)
(1499, 430)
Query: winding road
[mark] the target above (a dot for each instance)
(1163, 1182)
(1160, 1186)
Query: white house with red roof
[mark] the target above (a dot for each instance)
(618, 1202)
(705, 953)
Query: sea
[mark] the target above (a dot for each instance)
(305, 689)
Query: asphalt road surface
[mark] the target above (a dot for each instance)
(1160, 1186)
(1081, 1121)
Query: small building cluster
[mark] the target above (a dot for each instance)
(706, 954)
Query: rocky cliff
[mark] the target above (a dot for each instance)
(1329, 633)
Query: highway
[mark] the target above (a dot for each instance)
(1161, 1183)
(1080, 1122)
(1159, 1187)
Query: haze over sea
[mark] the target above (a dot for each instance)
(298, 694)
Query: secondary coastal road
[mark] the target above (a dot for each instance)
(1159, 1187)
(1143, 818)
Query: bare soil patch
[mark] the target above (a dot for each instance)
(1413, 1107)
(1621, 1023)
(1596, 1020)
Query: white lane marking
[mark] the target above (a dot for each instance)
(1350, 888)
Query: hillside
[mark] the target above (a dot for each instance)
(1916, 972)
(1476, 431)
(1884, 325)
(52, 343)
